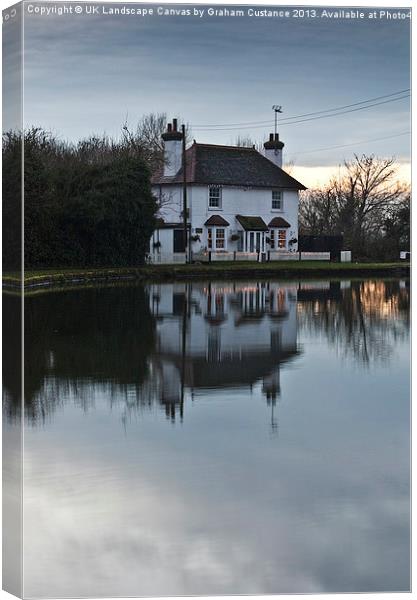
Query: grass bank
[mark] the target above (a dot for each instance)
(224, 270)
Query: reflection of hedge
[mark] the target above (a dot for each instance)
(12, 356)
(99, 335)
(85, 205)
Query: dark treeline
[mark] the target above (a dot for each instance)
(366, 204)
(86, 204)
(90, 204)
(104, 335)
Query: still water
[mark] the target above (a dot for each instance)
(216, 437)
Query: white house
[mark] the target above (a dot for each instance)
(237, 198)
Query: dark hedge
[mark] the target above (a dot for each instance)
(88, 204)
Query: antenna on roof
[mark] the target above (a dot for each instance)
(277, 109)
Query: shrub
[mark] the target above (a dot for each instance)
(88, 204)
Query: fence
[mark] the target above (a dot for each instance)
(314, 255)
(281, 255)
(166, 258)
(226, 256)
(261, 256)
(321, 243)
(233, 256)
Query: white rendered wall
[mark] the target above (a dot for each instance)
(170, 199)
(243, 201)
(165, 237)
(235, 200)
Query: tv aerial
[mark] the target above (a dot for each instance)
(277, 109)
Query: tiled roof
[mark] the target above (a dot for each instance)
(161, 224)
(216, 220)
(279, 222)
(229, 165)
(252, 223)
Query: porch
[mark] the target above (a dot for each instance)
(253, 236)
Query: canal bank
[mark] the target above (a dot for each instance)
(285, 270)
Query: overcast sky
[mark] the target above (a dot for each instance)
(85, 74)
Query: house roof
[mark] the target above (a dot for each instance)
(246, 369)
(252, 223)
(279, 222)
(216, 220)
(161, 224)
(229, 165)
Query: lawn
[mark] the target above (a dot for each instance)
(287, 269)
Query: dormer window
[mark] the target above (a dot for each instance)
(277, 202)
(215, 197)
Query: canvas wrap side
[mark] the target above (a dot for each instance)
(12, 301)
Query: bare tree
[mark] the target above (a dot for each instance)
(289, 167)
(356, 203)
(245, 141)
(364, 194)
(147, 136)
(318, 212)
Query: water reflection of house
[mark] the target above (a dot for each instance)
(200, 336)
(320, 291)
(220, 335)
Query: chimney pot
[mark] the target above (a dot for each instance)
(169, 127)
(276, 137)
(271, 137)
(175, 124)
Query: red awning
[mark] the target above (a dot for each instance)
(279, 222)
(216, 220)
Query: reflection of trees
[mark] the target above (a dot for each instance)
(88, 344)
(12, 357)
(78, 337)
(364, 321)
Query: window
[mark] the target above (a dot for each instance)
(219, 299)
(272, 239)
(276, 341)
(240, 241)
(282, 238)
(215, 197)
(210, 239)
(220, 239)
(276, 200)
(214, 345)
(178, 304)
(216, 238)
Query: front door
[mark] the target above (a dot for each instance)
(255, 241)
(179, 245)
(251, 241)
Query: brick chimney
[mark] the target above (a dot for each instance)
(172, 149)
(273, 149)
